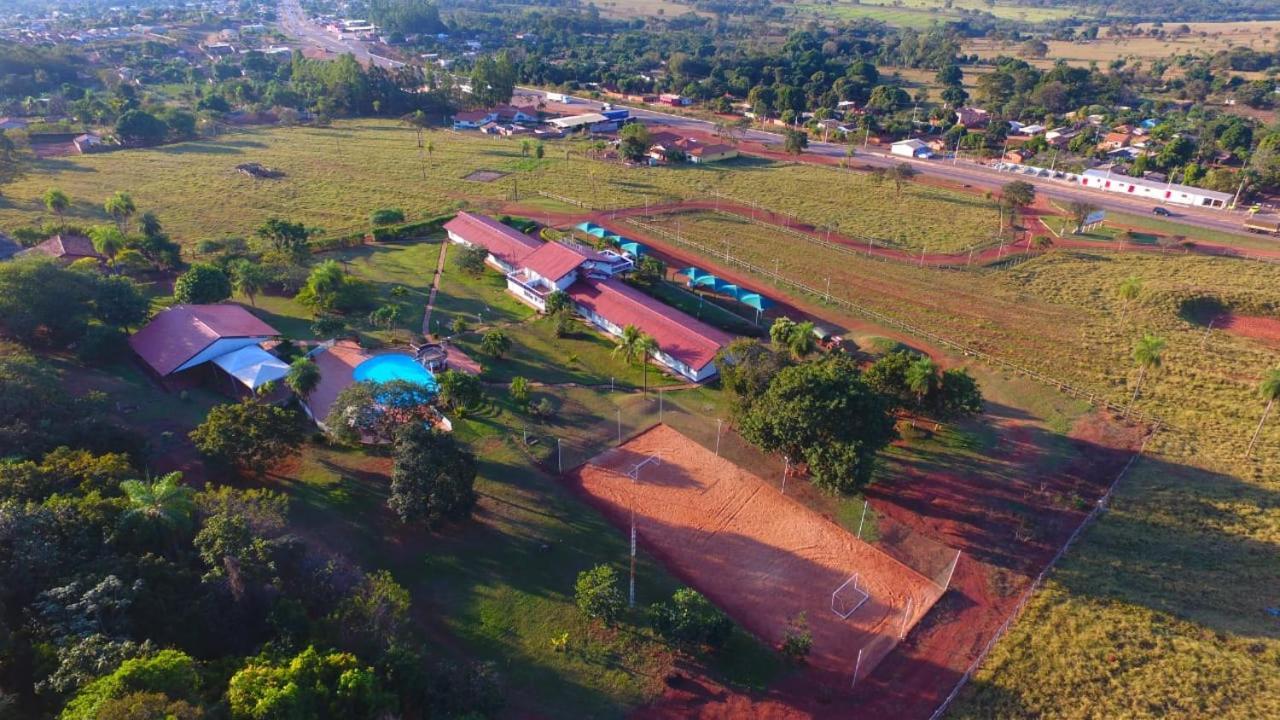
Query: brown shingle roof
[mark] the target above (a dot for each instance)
(180, 333)
(66, 247)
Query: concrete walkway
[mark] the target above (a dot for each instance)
(435, 286)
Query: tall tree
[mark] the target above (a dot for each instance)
(120, 207)
(164, 509)
(303, 377)
(249, 278)
(1148, 353)
(56, 201)
(1269, 389)
(1128, 290)
(249, 435)
(433, 479)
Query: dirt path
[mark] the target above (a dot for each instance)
(435, 287)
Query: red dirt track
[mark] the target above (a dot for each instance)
(761, 556)
(1266, 330)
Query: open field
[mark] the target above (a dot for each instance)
(922, 13)
(757, 554)
(1059, 313)
(334, 177)
(1204, 39)
(1194, 501)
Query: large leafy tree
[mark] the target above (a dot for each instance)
(823, 413)
(170, 673)
(459, 390)
(635, 142)
(202, 284)
(118, 301)
(309, 685)
(434, 477)
(285, 237)
(250, 435)
(44, 303)
(138, 127)
(374, 412)
(746, 369)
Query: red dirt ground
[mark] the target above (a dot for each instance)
(1266, 330)
(761, 556)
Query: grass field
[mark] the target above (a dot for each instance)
(1059, 313)
(1183, 569)
(922, 13)
(335, 176)
(1204, 39)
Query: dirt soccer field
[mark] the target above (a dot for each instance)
(757, 554)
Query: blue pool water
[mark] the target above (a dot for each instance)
(393, 366)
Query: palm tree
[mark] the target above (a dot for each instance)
(1129, 290)
(166, 506)
(801, 341)
(629, 343)
(120, 207)
(1148, 353)
(249, 278)
(303, 377)
(1269, 388)
(922, 378)
(647, 347)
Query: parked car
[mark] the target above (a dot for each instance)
(1162, 212)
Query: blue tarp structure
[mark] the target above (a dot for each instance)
(632, 248)
(755, 300)
(707, 280)
(598, 232)
(701, 278)
(587, 226)
(614, 239)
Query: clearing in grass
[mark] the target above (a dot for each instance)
(758, 554)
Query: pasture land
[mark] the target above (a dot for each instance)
(923, 13)
(1186, 558)
(334, 177)
(1060, 314)
(1204, 39)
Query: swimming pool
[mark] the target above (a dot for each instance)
(394, 366)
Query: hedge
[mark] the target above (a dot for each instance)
(409, 231)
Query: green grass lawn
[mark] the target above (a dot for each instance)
(500, 588)
(385, 267)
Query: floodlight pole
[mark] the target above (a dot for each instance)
(619, 426)
(951, 572)
(719, 426)
(786, 471)
(863, 518)
(559, 458)
(856, 667)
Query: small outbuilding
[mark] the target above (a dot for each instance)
(181, 345)
(911, 148)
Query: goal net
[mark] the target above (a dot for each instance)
(848, 597)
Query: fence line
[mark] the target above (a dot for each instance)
(1092, 397)
(1038, 582)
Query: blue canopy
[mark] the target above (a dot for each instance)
(614, 239)
(729, 289)
(598, 232)
(707, 280)
(632, 248)
(756, 300)
(586, 226)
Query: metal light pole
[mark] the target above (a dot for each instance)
(719, 426)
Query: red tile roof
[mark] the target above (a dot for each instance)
(686, 339)
(554, 260)
(503, 242)
(66, 247)
(180, 333)
(471, 115)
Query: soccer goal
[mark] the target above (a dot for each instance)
(848, 597)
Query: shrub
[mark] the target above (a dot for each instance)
(202, 284)
(690, 619)
(101, 344)
(597, 595)
(386, 216)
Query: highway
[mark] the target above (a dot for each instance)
(294, 22)
(965, 173)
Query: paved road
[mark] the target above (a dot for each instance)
(963, 173)
(295, 23)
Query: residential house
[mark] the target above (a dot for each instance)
(1165, 192)
(972, 117)
(87, 143)
(473, 119)
(66, 249)
(1115, 140)
(186, 344)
